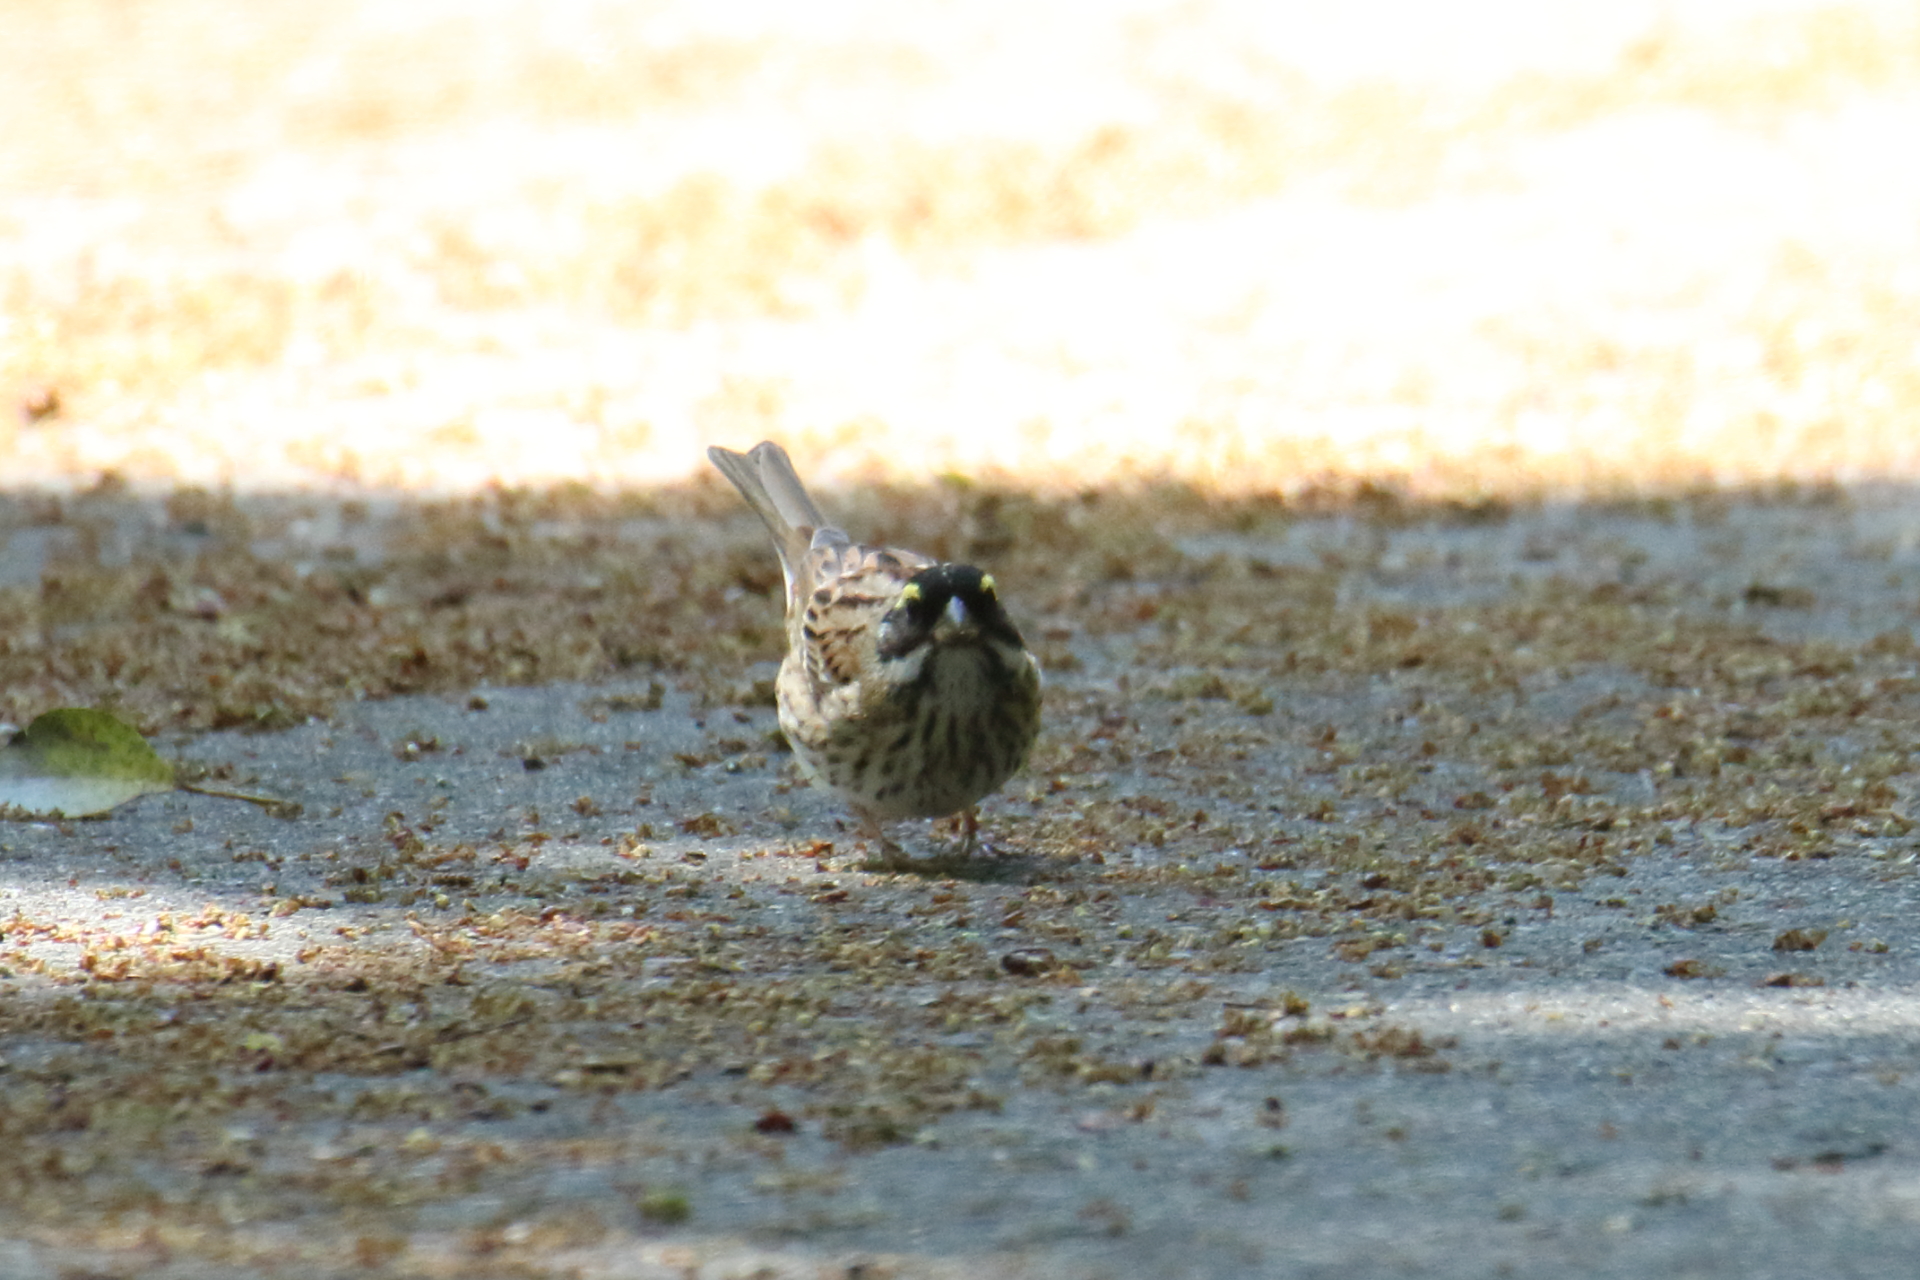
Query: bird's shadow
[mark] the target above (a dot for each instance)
(990, 868)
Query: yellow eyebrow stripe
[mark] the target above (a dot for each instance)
(986, 583)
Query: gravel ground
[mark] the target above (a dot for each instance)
(1279, 967)
(1411, 879)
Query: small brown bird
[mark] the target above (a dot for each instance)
(905, 688)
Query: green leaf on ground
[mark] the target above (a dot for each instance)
(76, 762)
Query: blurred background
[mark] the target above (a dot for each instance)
(1488, 247)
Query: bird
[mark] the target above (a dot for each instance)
(905, 690)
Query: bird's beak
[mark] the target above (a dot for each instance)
(954, 617)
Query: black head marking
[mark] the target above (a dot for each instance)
(927, 599)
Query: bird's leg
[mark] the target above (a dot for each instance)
(890, 854)
(970, 831)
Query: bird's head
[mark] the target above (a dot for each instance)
(946, 604)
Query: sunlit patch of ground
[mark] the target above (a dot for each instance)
(1499, 249)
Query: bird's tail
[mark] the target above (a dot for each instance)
(765, 477)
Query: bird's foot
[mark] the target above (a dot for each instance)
(882, 853)
(971, 841)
